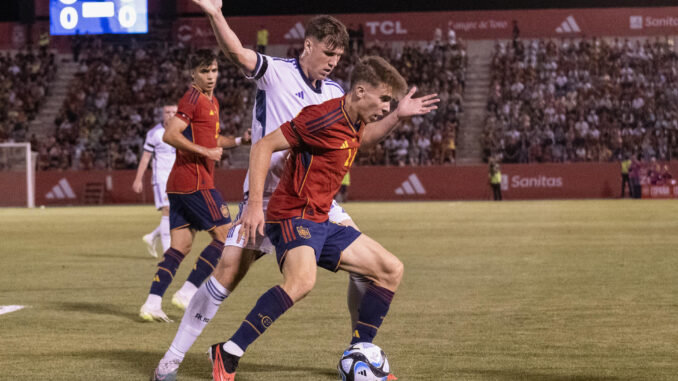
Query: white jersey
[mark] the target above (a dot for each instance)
(163, 155)
(282, 91)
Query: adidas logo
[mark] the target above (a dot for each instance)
(344, 145)
(300, 94)
(411, 186)
(61, 191)
(296, 33)
(568, 26)
(636, 22)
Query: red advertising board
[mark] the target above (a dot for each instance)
(471, 25)
(660, 191)
(418, 26)
(519, 182)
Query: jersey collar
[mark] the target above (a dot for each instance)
(202, 92)
(355, 126)
(317, 89)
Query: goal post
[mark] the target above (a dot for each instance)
(17, 174)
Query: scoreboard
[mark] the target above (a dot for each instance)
(69, 17)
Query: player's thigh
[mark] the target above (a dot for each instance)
(220, 232)
(367, 257)
(233, 266)
(299, 269)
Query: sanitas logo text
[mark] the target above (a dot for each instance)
(536, 182)
(661, 22)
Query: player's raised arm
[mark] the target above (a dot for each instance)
(229, 43)
(174, 137)
(252, 219)
(407, 107)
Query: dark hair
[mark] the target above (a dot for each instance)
(376, 71)
(202, 57)
(329, 30)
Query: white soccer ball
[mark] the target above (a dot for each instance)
(363, 362)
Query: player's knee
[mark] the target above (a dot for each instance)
(183, 248)
(392, 273)
(298, 288)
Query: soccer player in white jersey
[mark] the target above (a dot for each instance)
(284, 87)
(161, 156)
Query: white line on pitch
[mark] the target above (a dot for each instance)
(98, 10)
(8, 309)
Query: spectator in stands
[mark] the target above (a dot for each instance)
(262, 39)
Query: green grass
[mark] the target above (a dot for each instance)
(553, 290)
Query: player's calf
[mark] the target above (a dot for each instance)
(167, 268)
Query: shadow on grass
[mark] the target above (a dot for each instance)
(196, 364)
(98, 309)
(514, 374)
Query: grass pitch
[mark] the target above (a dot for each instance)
(553, 290)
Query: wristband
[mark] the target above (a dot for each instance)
(238, 141)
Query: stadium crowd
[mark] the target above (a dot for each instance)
(24, 80)
(119, 91)
(438, 67)
(117, 96)
(582, 100)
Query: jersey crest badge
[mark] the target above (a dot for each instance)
(303, 232)
(211, 112)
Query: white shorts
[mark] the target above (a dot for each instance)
(263, 244)
(160, 195)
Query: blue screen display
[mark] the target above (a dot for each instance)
(69, 17)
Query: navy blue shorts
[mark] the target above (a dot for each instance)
(327, 239)
(200, 210)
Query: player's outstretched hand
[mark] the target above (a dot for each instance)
(137, 186)
(247, 137)
(211, 7)
(252, 221)
(214, 153)
(409, 106)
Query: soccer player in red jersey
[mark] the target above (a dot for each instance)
(324, 140)
(194, 202)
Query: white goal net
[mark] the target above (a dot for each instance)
(17, 175)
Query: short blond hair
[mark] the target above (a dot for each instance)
(376, 71)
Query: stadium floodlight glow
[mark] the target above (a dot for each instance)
(70, 17)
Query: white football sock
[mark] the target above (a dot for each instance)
(233, 348)
(200, 311)
(188, 289)
(164, 231)
(154, 301)
(357, 285)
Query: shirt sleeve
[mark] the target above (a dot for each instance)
(187, 105)
(150, 142)
(266, 72)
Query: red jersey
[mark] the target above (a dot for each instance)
(192, 172)
(324, 143)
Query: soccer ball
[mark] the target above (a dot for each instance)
(363, 362)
